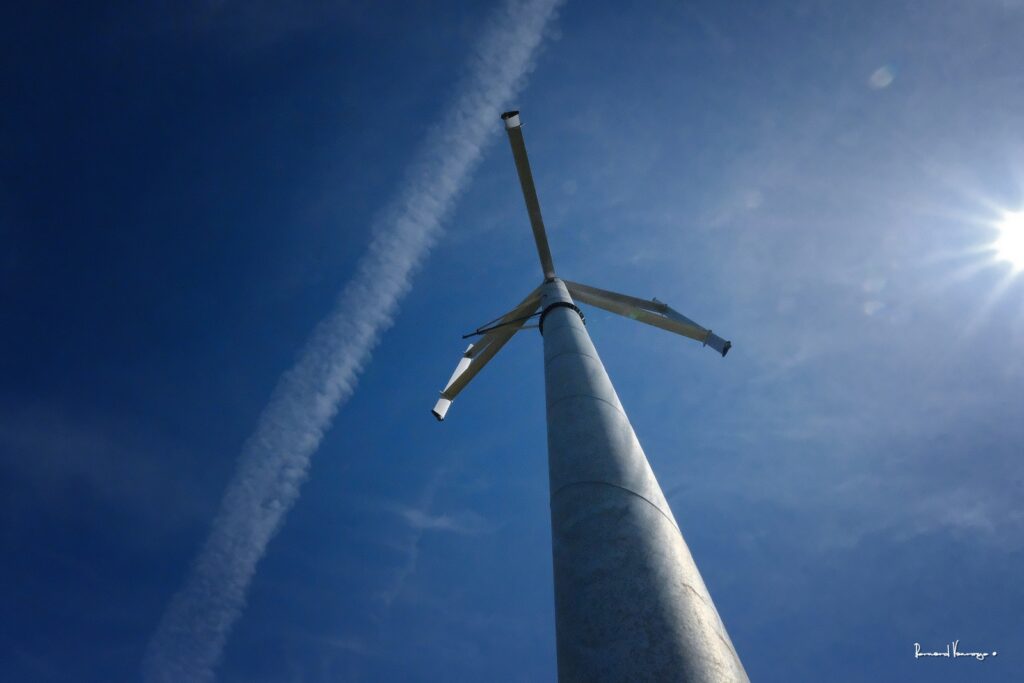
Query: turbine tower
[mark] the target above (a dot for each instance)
(630, 604)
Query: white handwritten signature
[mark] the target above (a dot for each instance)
(952, 652)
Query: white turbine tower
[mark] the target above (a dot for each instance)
(630, 604)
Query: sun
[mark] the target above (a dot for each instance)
(1009, 245)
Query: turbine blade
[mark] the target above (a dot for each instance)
(477, 355)
(651, 312)
(515, 136)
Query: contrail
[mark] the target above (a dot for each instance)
(189, 640)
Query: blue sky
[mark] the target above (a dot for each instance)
(186, 189)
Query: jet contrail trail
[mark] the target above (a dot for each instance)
(189, 640)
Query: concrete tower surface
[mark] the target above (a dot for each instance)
(630, 604)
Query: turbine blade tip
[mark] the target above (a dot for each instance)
(441, 409)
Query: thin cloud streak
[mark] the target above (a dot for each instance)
(190, 638)
(464, 523)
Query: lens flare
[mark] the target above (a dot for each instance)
(1010, 244)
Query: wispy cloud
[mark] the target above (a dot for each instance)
(188, 642)
(463, 522)
(420, 521)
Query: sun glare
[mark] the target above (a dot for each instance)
(1010, 244)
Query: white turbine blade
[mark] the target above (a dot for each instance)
(515, 136)
(442, 405)
(464, 363)
(477, 355)
(651, 312)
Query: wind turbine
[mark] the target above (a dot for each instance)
(630, 604)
